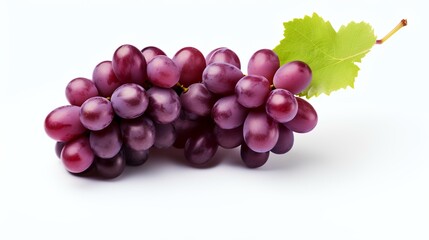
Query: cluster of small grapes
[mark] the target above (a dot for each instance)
(143, 99)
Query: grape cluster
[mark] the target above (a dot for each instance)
(141, 100)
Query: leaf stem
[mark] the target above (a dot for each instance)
(401, 24)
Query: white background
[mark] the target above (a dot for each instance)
(363, 173)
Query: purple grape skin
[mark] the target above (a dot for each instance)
(260, 132)
(191, 63)
(305, 119)
(281, 105)
(77, 155)
(228, 113)
(197, 99)
(163, 72)
(264, 62)
(225, 55)
(107, 142)
(129, 101)
(211, 54)
(184, 121)
(105, 79)
(251, 158)
(58, 148)
(252, 91)
(221, 78)
(134, 157)
(184, 127)
(129, 65)
(200, 149)
(165, 135)
(79, 90)
(194, 117)
(110, 168)
(63, 123)
(150, 52)
(285, 142)
(96, 113)
(164, 105)
(294, 76)
(138, 133)
(229, 138)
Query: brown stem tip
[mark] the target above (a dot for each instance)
(401, 24)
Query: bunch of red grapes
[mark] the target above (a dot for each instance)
(142, 100)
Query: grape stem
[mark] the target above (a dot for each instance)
(184, 89)
(401, 24)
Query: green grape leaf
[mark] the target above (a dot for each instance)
(331, 55)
